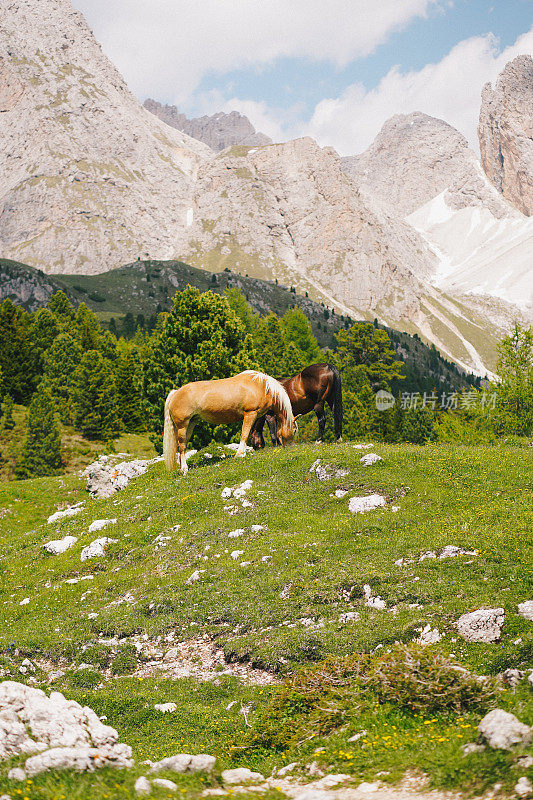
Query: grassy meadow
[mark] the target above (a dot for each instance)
(272, 599)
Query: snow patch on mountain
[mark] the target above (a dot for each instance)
(478, 253)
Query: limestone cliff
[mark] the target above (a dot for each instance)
(506, 133)
(88, 175)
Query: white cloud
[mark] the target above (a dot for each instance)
(450, 90)
(164, 48)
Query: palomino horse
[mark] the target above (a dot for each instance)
(245, 397)
(309, 390)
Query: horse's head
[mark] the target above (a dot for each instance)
(287, 430)
(256, 440)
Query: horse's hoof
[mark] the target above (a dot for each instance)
(339, 440)
(240, 455)
(318, 441)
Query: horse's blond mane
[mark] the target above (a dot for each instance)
(276, 391)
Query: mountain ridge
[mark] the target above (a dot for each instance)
(218, 131)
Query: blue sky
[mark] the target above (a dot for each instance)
(335, 71)
(291, 80)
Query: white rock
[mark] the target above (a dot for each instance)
(194, 577)
(183, 762)
(288, 768)
(357, 736)
(165, 708)
(30, 722)
(360, 505)
(376, 602)
(512, 677)
(428, 554)
(321, 472)
(368, 788)
(226, 493)
(97, 548)
(104, 479)
(236, 533)
(370, 458)
(142, 785)
(257, 528)
(81, 759)
(60, 545)
(526, 610)
(503, 731)
(362, 446)
(16, 774)
(472, 747)
(24, 602)
(171, 655)
(428, 635)
(163, 783)
(98, 524)
(314, 794)
(523, 787)
(240, 775)
(483, 625)
(329, 781)
(236, 553)
(349, 616)
(340, 493)
(71, 511)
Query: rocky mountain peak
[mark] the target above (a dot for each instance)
(87, 173)
(218, 131)
(506, 133)
(414, 158)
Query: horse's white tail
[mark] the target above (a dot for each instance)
(170, 442)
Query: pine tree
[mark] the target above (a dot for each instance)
(60, 363)
(297, 329)
(87, 329)
(18, 358)
(365, 352)
(270, 345)
(201, 338)
(41, 452)
(44, 329)
(515, 387)
(61, 308)
(94, 398)
(238, 303)
(293, 361)
(8, 423)
(129, 396)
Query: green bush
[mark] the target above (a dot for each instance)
(84, 678)
(418, 426)
(97, 654)
(322, 698)
(125, 660)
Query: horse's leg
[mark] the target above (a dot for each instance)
(181, 435)
(249, 419)
(321, 414)
(257, 429)
(273, 428)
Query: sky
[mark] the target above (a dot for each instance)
(335, 70)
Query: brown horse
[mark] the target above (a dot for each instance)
(309, 390)
(245, 397)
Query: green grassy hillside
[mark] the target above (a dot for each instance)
(272, 599)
